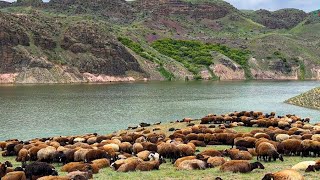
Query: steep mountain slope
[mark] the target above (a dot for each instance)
(102, 40)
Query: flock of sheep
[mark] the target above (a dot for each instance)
(141, 149)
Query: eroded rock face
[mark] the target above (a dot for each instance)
(281, 19)
(197, 11)
(228, 70)
(30, 52)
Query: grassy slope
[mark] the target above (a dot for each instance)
(310, 99)
(167, 171)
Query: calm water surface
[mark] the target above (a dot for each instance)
(29, 111)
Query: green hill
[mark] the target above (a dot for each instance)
(310, 99)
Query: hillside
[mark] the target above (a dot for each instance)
(310, 99)
(67, 41)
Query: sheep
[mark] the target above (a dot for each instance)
(129, 165)
(242, 166)
(80, 155)
(178, 161)
(149, 146)
(33, 153)
(80, 175)
(186, 150)
(126, 147)
(137, 147)
(216, 161)
(236, 154)
(303, 165)
(313, 168)
(144, 155)
(101, 163)
(282, 137)
(60, 157)
(149, 166)
(3, 145)
(95, 154)
(23, 155)
(75, 166)
(284, 175)
(113, 146)
(46, 154)
(192, 164)
(17, 175)
(168, 150)
(266, 149)
(211, 152)
(290, 147)
(39, 169)
(54, 178)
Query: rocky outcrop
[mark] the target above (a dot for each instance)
(226, 69)
(35, 52)
(204, 10)
(310, 99)
(281, 19)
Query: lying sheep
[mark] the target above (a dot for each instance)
(236, 154)
(149, 166)
(303, 165)
(241, 166)
(80, 175)
(284, 174)
(216, 161)
(17, 175)
(23, 155)
(54, 178)
(192, 164)
(39, 169)
(282, 137)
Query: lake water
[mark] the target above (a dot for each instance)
(29, 111)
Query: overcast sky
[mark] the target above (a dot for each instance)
(306, 5)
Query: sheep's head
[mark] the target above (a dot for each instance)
(280, 157)
(310, 168)
(256, 165)
(268, 176)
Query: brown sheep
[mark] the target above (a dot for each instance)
(168, 150)
(192, 164)
(284, 175)
(3, 145)
(236, 154)
(79, 175)
(17, 175)
(216, 161)
(241, 166)
(137, 147)
(144, 155)
(267, 150)
(126, 147)
(80, 155)
(79, 166)
(149, 166)
(149, 146)
(33, 153)
(46, 154)
(23, 155)
(101, 163)
(95, 154)
(178, 161)
(211, 152)
(290, 147)
(54, 178)
(129, 165)
(186, 150)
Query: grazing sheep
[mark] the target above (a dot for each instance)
(192, 164)
(236, 154)
(186, 150)
(168, 150)
(33, 152)
(267, 150)
(241, 166)
(3, 145)
(284, 175)
(303, 165)
(282, 137)
(80, 155)
(95, 154)
(17, 175)
(46, 154)
(290, 147)
(113, 146)
(23, 155)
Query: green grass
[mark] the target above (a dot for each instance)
(195, 54)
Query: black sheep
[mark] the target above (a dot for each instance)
(39, 169)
